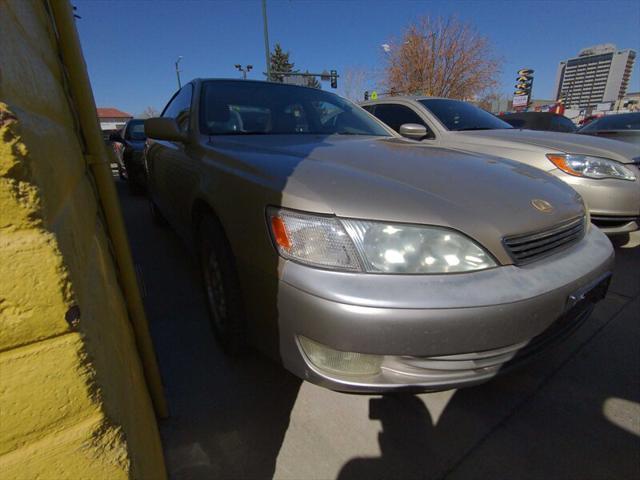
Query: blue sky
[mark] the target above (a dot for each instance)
(130, 47)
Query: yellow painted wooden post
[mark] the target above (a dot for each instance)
(73, 397)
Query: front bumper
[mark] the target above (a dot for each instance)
(614, 205)
(435, 331)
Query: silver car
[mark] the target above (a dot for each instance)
(363, 261)
(605, 172)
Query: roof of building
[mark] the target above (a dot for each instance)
(597, 49)
(109, 112)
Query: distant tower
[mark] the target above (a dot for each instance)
(598, 74)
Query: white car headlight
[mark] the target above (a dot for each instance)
(591, 167)
(373, 247)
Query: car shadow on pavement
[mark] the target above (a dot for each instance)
(569, 414)
(412, 446)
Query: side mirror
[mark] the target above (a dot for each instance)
(164, 128)
(115, 137)
(413, 131)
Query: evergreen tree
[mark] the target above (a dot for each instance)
(312, 81)
(280, 63)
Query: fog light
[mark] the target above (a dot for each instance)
(350, 363)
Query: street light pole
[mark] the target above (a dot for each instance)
(267, 52)
(178, 72)
(245, 70)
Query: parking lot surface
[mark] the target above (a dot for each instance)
(575, 413)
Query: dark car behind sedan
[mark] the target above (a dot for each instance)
(128, 145)
(546, 121)
(624, 127)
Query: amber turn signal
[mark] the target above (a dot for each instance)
(280, 233)
(561, 162)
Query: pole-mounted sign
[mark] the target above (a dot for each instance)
(524, 85)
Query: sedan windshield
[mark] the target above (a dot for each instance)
(457, 116)
(625, 121)
(230, 107)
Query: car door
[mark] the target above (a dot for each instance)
(172, 172)
(395, 115)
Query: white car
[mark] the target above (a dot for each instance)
(605, 172)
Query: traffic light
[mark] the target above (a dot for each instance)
(334, 79)
(366, 95)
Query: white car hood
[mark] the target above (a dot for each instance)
(552, 142)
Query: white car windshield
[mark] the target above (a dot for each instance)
(457, 115)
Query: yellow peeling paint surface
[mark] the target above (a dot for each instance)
(73, 401)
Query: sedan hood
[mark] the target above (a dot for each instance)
(552, 142)
(397, 180)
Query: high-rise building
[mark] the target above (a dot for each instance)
(598, 74)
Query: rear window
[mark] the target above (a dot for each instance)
(135, 130)
(628, 121)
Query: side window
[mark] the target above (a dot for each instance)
(369, 108)
(397, 115)
(180, 107)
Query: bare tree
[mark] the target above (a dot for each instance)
(491, 101)
(149, 112)
(441, 57)
(353, 83)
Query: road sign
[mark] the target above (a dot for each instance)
(520, 101)
(524, 86)
(374, 95)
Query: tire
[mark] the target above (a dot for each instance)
(221, 287)
(157, 217)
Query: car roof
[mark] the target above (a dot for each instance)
(531, 114)
(262, 82)
(410, 98)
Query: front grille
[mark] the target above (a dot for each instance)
(530, 247)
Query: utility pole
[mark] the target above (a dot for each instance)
(178, 72)
(267, 52)
(244, 70)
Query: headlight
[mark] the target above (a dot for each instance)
(591, 167)
(373, 247)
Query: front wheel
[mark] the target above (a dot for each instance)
(222, 287)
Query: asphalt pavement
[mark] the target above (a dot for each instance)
(574, 413)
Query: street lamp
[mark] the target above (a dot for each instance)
(245, 70)
(178, 72)
(267, 51)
